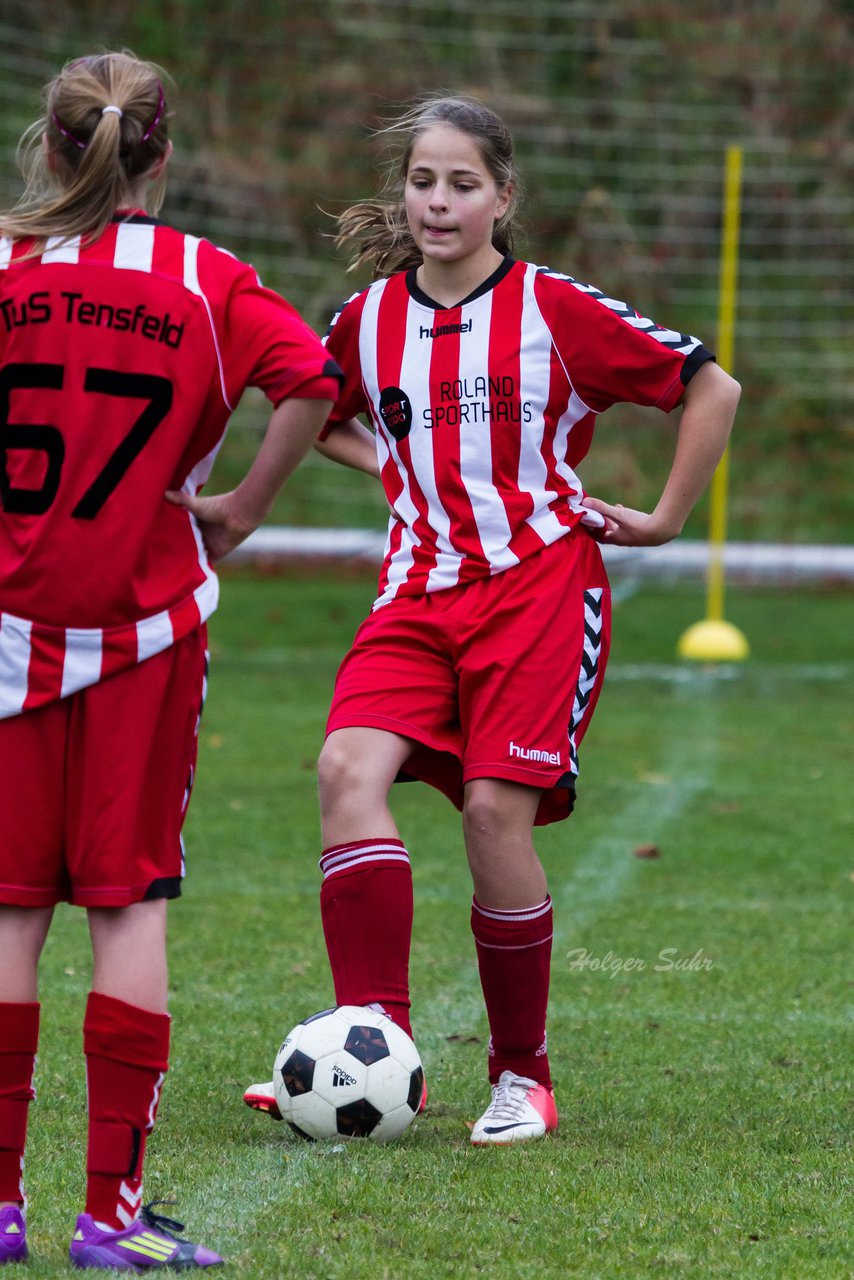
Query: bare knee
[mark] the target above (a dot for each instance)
(22, 935)
(129, 952)
(25, 927)
(498, 819)
(355, 771)
(497, 810)
(347, 803)
(485, 829)
(341, 775)
(482, 816)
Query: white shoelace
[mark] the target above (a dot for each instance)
(508, 1097)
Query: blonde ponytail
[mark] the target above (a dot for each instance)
(103, 130)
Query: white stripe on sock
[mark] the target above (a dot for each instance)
(398, 856)
(517, 913)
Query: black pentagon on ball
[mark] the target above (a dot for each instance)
(416, 1090)
(357, 1119)
(298, 1073)
(367, 1044)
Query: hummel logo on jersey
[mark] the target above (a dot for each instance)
(340, 1078)
(442, 330)
(531, 753)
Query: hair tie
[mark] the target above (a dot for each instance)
(66, 133)
(111, 108)
(158, 113)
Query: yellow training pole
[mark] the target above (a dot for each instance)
(715, 640)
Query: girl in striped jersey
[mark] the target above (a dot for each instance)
(480, 665)
(124, 345)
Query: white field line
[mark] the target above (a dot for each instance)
(755, 562)
(681, 673)
(603, 872)
(253, 1180)
(690, 674)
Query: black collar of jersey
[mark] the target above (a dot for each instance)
(418, 295)
(138, 219)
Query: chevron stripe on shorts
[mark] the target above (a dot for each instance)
(590, 664)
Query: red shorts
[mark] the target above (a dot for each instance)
(94, 787)
(495, 679)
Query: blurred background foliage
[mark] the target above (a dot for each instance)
(622, 111)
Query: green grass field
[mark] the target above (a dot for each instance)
(700, 1021)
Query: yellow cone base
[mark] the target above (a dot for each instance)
(713, 641)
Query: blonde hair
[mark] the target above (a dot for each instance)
(379, 227)
(103, 129)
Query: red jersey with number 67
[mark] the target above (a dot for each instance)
(483, 410)
(120, 363)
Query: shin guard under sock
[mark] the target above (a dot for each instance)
(514, 958)
(127, 1056)
(366, 908)
(19, 1038)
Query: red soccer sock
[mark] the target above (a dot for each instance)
(514, 957)
(127, 1056)
(19, 1038)
(366, 908)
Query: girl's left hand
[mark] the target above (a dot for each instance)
(625, 527)
(222, 528)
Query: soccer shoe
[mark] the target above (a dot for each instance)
(13, 1235)
(261, 1097)
(150, 1242)
(520, 1110)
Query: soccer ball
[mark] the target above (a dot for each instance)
(348, 1072)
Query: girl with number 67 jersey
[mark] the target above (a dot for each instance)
(124, 347)
(480, 666)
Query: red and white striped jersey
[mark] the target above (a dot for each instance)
(482, 411)
(120, 363)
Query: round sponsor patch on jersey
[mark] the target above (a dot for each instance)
(396, 412)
